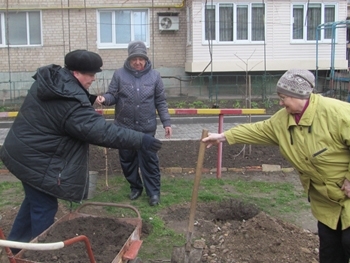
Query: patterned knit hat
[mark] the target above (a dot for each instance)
(137, 49)
(296, 83)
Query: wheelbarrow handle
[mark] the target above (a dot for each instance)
(31, 246)
(50, 246)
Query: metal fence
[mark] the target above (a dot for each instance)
(213, 87)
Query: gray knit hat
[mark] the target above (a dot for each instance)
(296, 83)
(137, 49)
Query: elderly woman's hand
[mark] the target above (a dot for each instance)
(214, 138)
(100, 99)
(346, 187)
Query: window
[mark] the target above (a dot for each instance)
(229, 22)
(209, 22)
(242, 22)
(329, 16)
(226, 25)
(116, 28)
(258, 22)
(24, 28)
(307, 17)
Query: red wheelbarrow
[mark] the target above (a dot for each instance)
(127, 254)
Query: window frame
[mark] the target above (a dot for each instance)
(304, 39)
(235, 40)
(113, 44)
(3, 32)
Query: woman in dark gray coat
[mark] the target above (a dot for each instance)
(137, 91)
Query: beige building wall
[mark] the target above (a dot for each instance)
(67, 27)
(72, 24)
(277, 53)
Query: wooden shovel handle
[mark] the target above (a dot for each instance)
(197, 180)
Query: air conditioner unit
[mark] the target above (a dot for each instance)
(168, 23)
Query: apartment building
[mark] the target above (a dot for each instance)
(185, 38)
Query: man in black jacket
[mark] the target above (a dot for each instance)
(47, 146)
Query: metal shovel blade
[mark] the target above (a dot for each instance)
(180, 255)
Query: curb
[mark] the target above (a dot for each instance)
(176, 170)
(259, 168)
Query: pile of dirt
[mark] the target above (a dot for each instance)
(238, 232)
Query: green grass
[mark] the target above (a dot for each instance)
(10, 194)
(280, 199)
(4, 109)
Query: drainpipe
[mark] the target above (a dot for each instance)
(8, 52)
(153, 64)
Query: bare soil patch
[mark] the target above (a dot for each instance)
(184, 154)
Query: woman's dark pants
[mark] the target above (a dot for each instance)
(334, 244)
(148, 163)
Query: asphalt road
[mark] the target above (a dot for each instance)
(184, 128)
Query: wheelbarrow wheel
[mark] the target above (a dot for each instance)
(136, 260)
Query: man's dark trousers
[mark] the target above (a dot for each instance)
(36, 214)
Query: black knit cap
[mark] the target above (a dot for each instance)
(83, 61)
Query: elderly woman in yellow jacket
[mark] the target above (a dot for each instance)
(313, 134)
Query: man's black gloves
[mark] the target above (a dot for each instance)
(150, 143)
